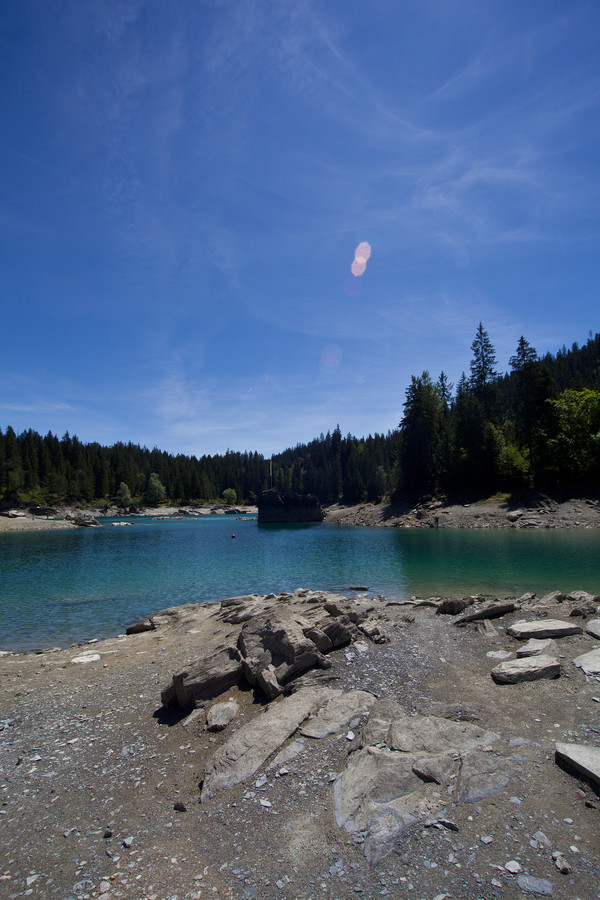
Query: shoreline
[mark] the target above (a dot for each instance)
(535, 511)
(102, 788)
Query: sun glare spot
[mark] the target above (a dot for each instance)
(363, 250)
(331, 358)
(361, 256)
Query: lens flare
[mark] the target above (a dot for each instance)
(361, 256)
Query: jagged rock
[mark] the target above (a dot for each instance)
(340, 631)
(583, 597)
(220, 715)
(593, 628)
(553, 597)
(491, 611)
(532, 668)
(585, 610)
(274, 648)
(209, 677)
(584, 759)
(252, 744)
(454, 605)
(374, 631)
(141, 626)
(589, 662)
(338, 712)
(535, 647)
(543, 628)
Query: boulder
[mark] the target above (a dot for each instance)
(207, 678)
(552, 597)
(285, 506)
(221, 714)
(583, 597)
(454, 605)
(141, 626)
(274, 648)
(589, 608)
(532, 668)
(543, 628)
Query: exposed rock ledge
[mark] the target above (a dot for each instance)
(401, 767)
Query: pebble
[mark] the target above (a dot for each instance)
(513, 866)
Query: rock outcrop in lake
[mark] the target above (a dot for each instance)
(287, 507)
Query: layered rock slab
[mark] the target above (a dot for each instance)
(583, 758)
(589, 662)
(543, 628)
(252, 744)
(529, 668)
(391, 780)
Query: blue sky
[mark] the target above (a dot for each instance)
(184, 184)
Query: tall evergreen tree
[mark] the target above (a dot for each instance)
(483, 364)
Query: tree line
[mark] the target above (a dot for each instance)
(535, 425)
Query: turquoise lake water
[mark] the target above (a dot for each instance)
(58, 587)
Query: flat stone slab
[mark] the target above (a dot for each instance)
(532, 668)
(252, 744)
(589, 662)
(544, 628)
(593, 628)
(584, 759)
(536, 647)
(343, 708)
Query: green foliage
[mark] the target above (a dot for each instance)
(574, 448)
(123, 495)
(229, 496)
(155, 490)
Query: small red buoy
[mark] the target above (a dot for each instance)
(233, 535)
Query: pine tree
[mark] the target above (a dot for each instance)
(483, 371)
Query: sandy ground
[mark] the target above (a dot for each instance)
(93, 770)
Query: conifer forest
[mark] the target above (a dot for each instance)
(535, 426)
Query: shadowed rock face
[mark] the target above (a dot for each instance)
(279, 506)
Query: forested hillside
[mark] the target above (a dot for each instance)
(536, 425)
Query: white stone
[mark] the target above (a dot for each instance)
(86, 658)
(589, 662)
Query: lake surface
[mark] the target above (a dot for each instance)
(58, 587)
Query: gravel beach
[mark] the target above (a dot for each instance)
(101, 785)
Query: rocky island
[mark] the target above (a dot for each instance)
(310, 745)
